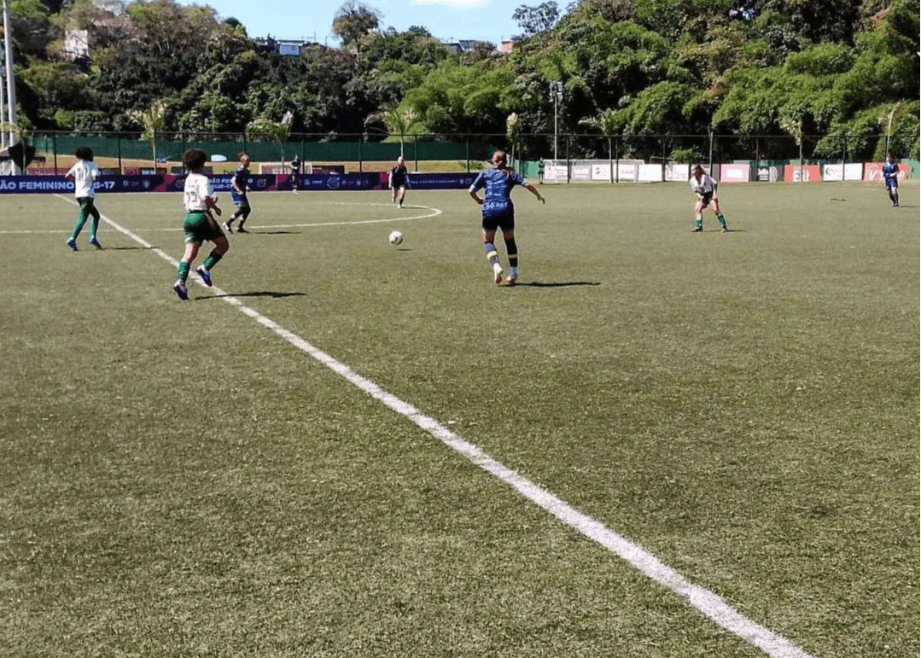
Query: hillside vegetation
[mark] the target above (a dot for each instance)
(847, 69)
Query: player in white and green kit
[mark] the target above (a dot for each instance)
(199, 225)
(84, 173)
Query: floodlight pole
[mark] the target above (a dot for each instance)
(3, 143)
(556, 93)
(10, 85)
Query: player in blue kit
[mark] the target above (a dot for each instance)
(499, 213)
(399, 177)
(891, 178)
(238, 196)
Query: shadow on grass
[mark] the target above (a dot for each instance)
(556, 284)
(273, 232)
(261, 293)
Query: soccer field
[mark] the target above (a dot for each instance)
(660, 444)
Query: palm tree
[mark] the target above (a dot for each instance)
(609, 126)
(277, 131)
(398, 121)
(513, 131)
(152, 119)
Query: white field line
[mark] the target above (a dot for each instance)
(706, 602)
(435, 212)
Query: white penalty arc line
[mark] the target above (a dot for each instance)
(387, 220)
(709, 604)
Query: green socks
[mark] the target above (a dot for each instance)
(213, 258)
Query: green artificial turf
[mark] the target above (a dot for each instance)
(177, 480)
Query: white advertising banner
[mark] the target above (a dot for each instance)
(555, 173)
(735, 173)
(833, 172)
(651, 173)
(678, 172)
(581, 172)
(602, 172)
(627, 171)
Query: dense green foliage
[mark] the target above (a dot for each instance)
(844, 69)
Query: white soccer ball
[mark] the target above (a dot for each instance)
(395, 238)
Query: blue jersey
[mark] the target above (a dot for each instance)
(398, 177)
(891, 174)
(239, 179)
(498, 184)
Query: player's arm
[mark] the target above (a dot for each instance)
(533, 190)
(211, 203)
(475, 196)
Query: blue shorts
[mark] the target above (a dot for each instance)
(504, 220)
(239, 201)
(892, 183)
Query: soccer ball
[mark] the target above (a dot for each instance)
(395, 238)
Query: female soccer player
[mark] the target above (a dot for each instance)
(398, 179)
(295, 167)
(199, 225)
(891, 178)
(499, 213)
(238, 195)
(705, 189)
(84, 173)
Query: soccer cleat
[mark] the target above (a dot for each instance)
(697, 229)
(205, 275)
(181, 291)
(240, 229)
(725, 229)
(497, 272)
(509, 282)
(229, 225)
(94, 242)
(72, 244)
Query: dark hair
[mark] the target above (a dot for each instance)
(194, 159)
(84, 153)
(241, 154)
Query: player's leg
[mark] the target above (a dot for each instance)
(94, 225)
(698, 216)
(489, 247)
(511, 248)
(221, 245)
(893, 188)
(82, 215)
(244, 211)
(402, 194)
(715, 207)
(182, 271)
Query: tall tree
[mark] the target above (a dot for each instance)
(353, 20)
(537, 19)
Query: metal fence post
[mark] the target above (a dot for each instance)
(663, 158)
(54, 148)
(568, 163)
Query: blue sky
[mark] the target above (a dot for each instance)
(483, 20)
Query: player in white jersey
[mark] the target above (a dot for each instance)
(84, 173)
(199, 225)
(705, 188)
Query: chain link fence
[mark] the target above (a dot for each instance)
(134, 153)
